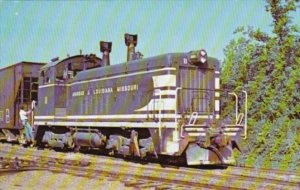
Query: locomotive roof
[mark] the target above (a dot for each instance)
(51, 64)
(165, 60)
(21, 63)
(54, 63)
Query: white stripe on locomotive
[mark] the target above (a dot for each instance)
(123, 116)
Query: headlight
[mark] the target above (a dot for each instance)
(203, 56)
(203, 59)
(198, 57)
(203, 53)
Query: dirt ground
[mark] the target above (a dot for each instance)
(44, 180)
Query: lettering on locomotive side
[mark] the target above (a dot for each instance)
(78, 93)
(127, 88)
(124, 88)
(102, 91)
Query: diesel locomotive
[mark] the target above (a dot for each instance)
(159, 106)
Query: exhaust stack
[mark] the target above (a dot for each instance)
(131, 42)
(105, 48)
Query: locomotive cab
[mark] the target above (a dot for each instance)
(54, 81)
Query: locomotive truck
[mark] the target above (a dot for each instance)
(158, 106)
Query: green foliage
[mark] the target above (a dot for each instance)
(268, 68)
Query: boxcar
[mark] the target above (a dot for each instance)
(18, 85)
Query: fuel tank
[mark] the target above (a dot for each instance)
(89, 139)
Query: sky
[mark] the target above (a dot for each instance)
(41, 30)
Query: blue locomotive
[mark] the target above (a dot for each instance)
(158, 106)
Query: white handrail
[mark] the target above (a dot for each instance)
(193, 118)
(236, 105)
(159, 112)
(246, 112)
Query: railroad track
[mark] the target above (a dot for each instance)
(149, 176)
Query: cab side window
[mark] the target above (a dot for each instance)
(70, 72)
(45, 77)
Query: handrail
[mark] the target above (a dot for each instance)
(236, 105)
(159, 112)
(193, 118)
(175, 116)
(240, 119)
(246, 112)
(176, 108)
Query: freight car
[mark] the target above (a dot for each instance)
(18, 85)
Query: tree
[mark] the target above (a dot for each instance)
(268, 67)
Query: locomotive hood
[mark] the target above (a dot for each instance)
(165, 60)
